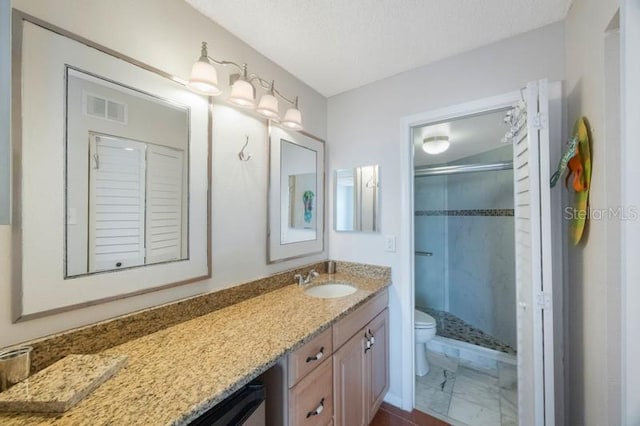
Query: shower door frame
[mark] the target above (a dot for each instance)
(407, 237)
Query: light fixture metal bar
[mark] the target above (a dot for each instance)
(215, 61)
(462, 168)
(265, 84)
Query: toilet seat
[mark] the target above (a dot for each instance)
(423, 320)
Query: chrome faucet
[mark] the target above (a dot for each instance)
(306, 280)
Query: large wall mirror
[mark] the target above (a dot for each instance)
(112, 178)
(296, 195)
(357, 199)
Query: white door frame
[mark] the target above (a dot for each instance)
(407, 247)
(630, 197)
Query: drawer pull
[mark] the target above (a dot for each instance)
(368, 344)
(317, 410)
(372, 338)
(317, 356)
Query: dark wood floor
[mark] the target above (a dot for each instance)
(388, 415)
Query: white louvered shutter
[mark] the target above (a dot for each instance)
(165, 203)
(534, 258)
(116, 203)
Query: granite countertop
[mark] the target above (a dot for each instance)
(176, 373)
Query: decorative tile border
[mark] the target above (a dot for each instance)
(470, 212)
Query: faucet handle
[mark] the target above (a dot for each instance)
(311, 275)
(299, 278)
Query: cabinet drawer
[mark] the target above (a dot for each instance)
(309, 356)
(352, 323)
(311, 400)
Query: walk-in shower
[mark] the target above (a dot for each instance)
(465, 250)
(465, 271)
(465, 265)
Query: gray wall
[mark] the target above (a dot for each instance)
(364, 128)
(474, 277)
(593, 290)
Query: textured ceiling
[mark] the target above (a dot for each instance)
(338, 45)
(468, 136)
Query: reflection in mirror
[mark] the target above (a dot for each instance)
(357, 193)
(126, 175)
(298, 193)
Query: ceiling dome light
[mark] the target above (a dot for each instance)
(293, 117)
(435, 145)
(204, 77)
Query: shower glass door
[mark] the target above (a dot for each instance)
(430, 238)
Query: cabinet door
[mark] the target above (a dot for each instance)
(349, 380)
(378, 362)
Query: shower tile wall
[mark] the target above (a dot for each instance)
(430, 231)
(478, 266)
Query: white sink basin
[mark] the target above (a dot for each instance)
(330, 290)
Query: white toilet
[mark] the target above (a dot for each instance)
(425, 326)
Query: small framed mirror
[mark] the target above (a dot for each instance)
(296, 195)
(357, 199)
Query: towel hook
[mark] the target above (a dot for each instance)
(242, 155)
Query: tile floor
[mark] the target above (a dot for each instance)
(467, 395)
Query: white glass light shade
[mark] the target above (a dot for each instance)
(268, 106)
(242, 94)
(292, 119)
(435, 145)
(204, 78)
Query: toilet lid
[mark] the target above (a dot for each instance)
(424, 320)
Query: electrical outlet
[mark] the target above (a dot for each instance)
(390, 243)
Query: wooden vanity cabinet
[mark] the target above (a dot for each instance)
(311, 399)
(339, 377)
(349, 383)
(361, 373)
(378, 363)
(300, 386)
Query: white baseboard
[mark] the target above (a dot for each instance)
(393, 399)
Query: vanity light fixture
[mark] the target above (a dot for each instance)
(293, 117)
(435, 144)
(204, 80)
(268, 106)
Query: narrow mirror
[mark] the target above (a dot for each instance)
(357, 193)
(296, 195)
